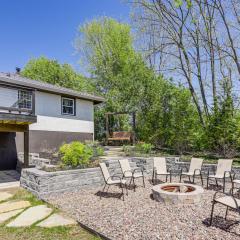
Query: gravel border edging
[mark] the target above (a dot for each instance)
(94, 232)
(90, 230)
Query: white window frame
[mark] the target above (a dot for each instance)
(20, 91)
(73, 107)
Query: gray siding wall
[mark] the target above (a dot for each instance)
(8, 96)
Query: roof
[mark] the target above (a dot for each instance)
(16, 79)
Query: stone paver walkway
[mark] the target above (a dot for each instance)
(56, 220)
(25, 215)
(10, 206)
(4, 196)
(5, 216)
(30, 216)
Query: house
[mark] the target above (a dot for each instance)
(38, 117)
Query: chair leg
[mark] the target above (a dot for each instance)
(134, 185)
(170, 177)
(223, 184)
(226, 213)
(126, 188)
(180, 178)
(130, 181)
(207, 181)
(201, 178)
(211, 218)
(166, 177)
(153, 178)
(193, 178)
(189, 178)
(143, 181)
(121, 185)
(216, 182)
(103, 190)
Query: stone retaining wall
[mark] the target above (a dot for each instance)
(41, 182)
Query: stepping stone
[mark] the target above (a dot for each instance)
(56, 220)
(30, 216)
(5, 196)
(10, 206)
(5, 216)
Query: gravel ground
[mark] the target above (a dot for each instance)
(139, 217)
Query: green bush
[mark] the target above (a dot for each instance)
(128, 150)
(98, 150)
(144, 147)
(75, 154)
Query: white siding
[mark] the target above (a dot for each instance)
(50, 118)
(57, 124)
(50, 105)
(8, 96)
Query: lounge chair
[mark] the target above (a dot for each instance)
(160, 168)
(129, 173)
(195, 169)
(227, 200)
(224, 170)
(109, 180)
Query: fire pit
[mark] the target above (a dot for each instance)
(177, 193)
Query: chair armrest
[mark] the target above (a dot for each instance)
(234, 174)
(199, 170)
(186, 168)
(140, 169)
(230, 194)
(127, 171)
(115, 176)
(225, 172)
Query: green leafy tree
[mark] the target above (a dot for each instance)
(51, 71)
(120, 73)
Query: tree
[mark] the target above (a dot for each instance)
(106, 47)
(51, 71)
(119, 72)
(163, 109)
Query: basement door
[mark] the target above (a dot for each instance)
(8, 151)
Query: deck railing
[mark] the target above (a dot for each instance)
(17, 100)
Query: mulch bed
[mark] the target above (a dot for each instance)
(141, 217)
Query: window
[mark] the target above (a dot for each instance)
(68, 106)
(25, 99)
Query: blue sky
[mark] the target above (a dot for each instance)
(33, 28)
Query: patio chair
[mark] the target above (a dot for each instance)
(227, 200)
(224, 170)
(160, 168)
(109, 180)
(195, 169)
(129, 173)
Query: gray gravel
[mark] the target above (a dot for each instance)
(140, 217)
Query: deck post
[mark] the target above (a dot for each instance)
(26, 148)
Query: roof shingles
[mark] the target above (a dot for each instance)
(16, 79)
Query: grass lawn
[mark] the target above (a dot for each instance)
(33, 232)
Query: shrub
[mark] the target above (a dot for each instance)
(144, 147)
(128, 150)
(96, 147)
(75, 154)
